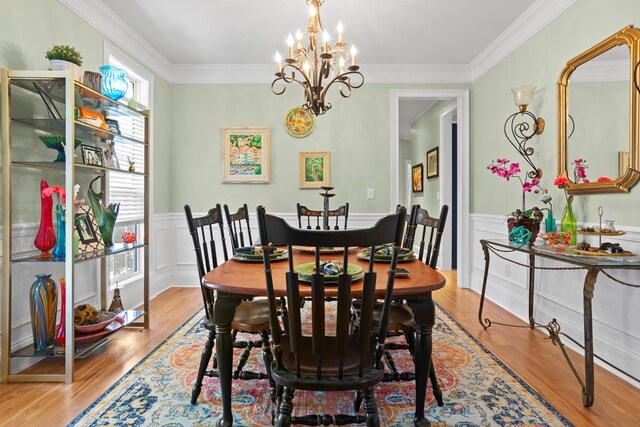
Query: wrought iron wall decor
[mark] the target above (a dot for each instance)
(318, 66)
(523, 125)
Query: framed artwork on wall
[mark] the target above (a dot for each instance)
(245, 155)
(315, 169)
(432, 163)
(416, 178)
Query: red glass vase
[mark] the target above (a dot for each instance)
(46, 237)
(60, 328)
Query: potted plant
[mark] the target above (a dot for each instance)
(528, 218)
(64, 57)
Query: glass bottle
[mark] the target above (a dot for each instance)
(43, 303)
(60, 249)
(46, 237)
(569, 224)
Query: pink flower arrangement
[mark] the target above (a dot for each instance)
(580, 171)
(507, 170)
(62, 196)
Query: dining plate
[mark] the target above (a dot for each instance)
(116, 323)
(404, 256)
(305, 271)
(254, 254)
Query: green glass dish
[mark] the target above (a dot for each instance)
(57, 143)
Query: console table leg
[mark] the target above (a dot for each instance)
(588, 389)
(486, 322)
(532, 281)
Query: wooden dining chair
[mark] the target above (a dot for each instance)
(311, 215)
(250, 316)
(331, 357)
(238, 224)
(401, 320)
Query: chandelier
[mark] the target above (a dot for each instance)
(317, 66)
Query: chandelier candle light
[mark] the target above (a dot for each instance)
(317, 66)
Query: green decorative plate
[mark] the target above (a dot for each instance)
(404, 256)
(254, 254)
(305, 271)
(299, 122)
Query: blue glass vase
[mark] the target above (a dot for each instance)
(114, 85)
(60, 249)
(44, 306)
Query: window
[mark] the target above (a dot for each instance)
(123, 187)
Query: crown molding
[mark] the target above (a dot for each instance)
(104, 20)
(522, 29)
(96, 14)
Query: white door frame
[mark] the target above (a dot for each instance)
(461, 98)
(446, 178)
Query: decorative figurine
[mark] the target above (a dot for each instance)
(132, 168)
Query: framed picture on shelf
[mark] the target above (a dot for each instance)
(109, 154)
(315, 169)
(416, 178)
(92, 80)
(245, 155)
(86, 227)
(112, 126)
(91, 155)
(432, 163)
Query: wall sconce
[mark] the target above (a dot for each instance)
(521, 126)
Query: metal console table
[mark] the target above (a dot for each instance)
(593, 265)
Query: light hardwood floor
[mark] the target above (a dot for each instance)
(535, 359)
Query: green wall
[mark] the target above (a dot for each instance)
(539, 61)
(356, 131)
(28, 28)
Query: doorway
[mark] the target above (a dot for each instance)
(458, 112)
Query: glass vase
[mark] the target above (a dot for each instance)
(114, 85)
(60, 329)
(550, 224)
(569, 224)
(46, 237)
(59, 250)
(43, 301)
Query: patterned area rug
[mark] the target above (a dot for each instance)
(478, 389)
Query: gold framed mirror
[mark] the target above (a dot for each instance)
(599, 117)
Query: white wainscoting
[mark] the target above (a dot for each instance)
(558, 294)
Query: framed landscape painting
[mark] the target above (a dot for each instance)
(314, 169)
(416, 178)
(245, 155)
(432, 163)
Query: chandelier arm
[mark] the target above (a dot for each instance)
(344, 80)
(519, 131)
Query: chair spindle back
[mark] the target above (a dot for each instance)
(236, 222)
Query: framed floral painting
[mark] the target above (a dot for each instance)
(314, 169)
(432, 163)
(245, 155)
(416, 178)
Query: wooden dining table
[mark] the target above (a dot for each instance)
(236, 280)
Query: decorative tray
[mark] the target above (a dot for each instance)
(603, 253)
(86, 329)
(602, 233)
(254, 254)
(305, 271)
(116, 324)
(384, 254)
(571, 250)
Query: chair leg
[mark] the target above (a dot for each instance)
(437, 393)
(268, 358)
(202, 369)
(371, 409)
(357, 401)
(410, 338)
(285, 314)
(285, 408)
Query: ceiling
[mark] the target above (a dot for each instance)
(215, 32)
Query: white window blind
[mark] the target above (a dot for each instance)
(126, 188)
